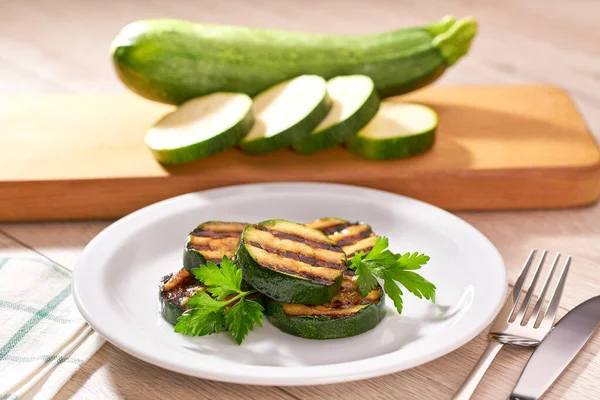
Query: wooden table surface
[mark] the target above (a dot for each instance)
(49, 46)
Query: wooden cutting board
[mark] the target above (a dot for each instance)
(498, 147)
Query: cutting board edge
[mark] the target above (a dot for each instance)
(493, 190)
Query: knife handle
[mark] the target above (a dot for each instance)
(468, 387)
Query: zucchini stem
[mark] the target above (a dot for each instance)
(441, 26)
(456, 41)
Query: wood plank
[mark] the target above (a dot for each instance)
(498, 147)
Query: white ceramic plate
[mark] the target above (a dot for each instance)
(116, 286)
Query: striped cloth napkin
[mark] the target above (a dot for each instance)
(43, 338)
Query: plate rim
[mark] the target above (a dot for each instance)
(267, 379)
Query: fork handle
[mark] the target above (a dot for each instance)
(468, 387)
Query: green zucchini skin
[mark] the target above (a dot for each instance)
(340, 132)
(169, 311)
(192, 259)
(283, 287)
(172, 61)
(331, 323)
(387, 149)
(209, 147)
(310, 327)
(294, 133)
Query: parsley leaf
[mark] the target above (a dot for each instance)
(414, 283)
(366, 281)
(393, 291)
(392, 268)
(241, 317)
(412, 261)
(230, 309)
(221, 281)
(205, 319)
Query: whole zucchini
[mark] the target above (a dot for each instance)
(172, 61)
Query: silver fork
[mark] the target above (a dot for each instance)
(516, 331)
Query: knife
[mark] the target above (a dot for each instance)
(557, 350)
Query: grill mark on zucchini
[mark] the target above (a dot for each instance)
(271, 241)
(329, 225)
(365, 245)
(344, 241)
(316, 262)
(352, 237)
(215, 235)
(292, 228)
(210, 242)
(289, 236)
(290, 262)
(293, 267)
(207, 243)
(336, 228)
(179, 287)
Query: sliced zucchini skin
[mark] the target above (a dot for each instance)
(169, 311)
(323, 327)
(315, 327)
(194, 258)
(209, 147)
(387, 149)
(294, 133)
(340, 132)
(280, 286)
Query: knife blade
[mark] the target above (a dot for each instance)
(557, 350)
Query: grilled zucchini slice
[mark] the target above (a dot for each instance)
(210, 241)
(347, 314)
(290, 262)
(351, 236)
(174, 291)
(177, 288)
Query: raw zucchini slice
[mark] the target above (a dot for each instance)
(174, 291)
(210, 241)
(351, 236)
(347, 314)
(287, 112)
(290, 262)
(354, 101)
(201, 127)
(398, 130)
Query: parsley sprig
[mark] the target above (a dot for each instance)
(229, 307)
(392, 269)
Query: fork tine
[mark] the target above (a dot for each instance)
(521, 279)
(538, 269)
(538, 305)
(552, 309)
